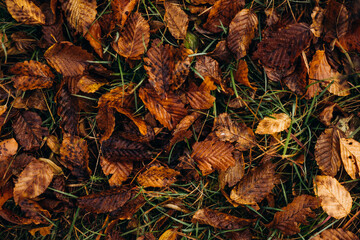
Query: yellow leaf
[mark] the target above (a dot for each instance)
(25, 11)
(350, 156)
(277, 122)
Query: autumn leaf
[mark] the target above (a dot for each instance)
(6, 192)
(241, 32)
(105, 201)
(94, 37)
(31, 99)
(52, 33)
(294, 214)
(327, 151)
(336, 21)
(208, 67)
(317, 16)
(241, 75)
(219, 220)
(326, 114)
(44, 231)
(34, 211)
(181, 66)
(176, 19)
(336, 234)
(25, 11)
(120, 170)
(31, 75)
(89, 84)
(200, 97)
(122, 9)
(350, 156)
(211, 155)
(8, 148)
(277, 122)
(170, 234)
(158, 176)
(298, 79)
(105, 121)
(336, 201)
(33, 180)
(10, 216)
(221, 52)
(255, 186)
(233, 174)
(134, 38)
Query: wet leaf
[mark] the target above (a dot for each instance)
(200, 97)
(32, 99)
(127, 211)
(336, 21)
(327, 151)
(94, 37)
(317, 16)
(89, 84)
(14, 218)
(34, 211)
(277, 122)
(25, 11)
(120, 170)
(219, 220)
(53, 33)
(105, 121)
(335, 199)
(134, 38)
(241, 235)
(28, 130)
(297, 80)
(31, 75)
(233, 174)
(350, 156)
(211, 155)
(295, 213)
(122, 9)
(158, 176)
(176, 20)
(327, 114)
(336, 234)
(221, 52)
(105, 201)
(33, 180)
(255, 186)
(241, 75)
(6, 192)
(241, 32)
(181, 67)
(181, 129)
(208, 67)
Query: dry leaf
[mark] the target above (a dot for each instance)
(181, 129)
(31, 75)
(53, 143)
(44, 231)
(170, 234)
(200, 97)
(233, 174)
(6, 192)
(296, 212)
(297, 80)
(335, 199)
(327, 151)
(277, 122)
(212, 155)
(94, 37)
(221, 52)
(181, 67)
(351, 41)
(127, 211)
(33, 180)
(52, 33)
(350, 156)
(120, 170)
(255, 186)
(105, 121)
(158, 177)
(89, 84)
(336, 21)
(105, 201)
(241, 75)
(208, 67)
(25, 11)
(241, 32)
(14, 218)
(336, 234)
(219, 220)
(176, 20)
(134, 38)
(241, 235)
(317, 16)
(32, 99)
(122, 9)
(326, 115)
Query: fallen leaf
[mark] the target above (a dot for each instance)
(200, 97)
(6, 192)
(34, 211)
(233, 174)
(336, 201)
(32, 99)
(170, 234)
(181, 129)
(122, 9)
(25, 11)
(176, 20)
(93, 35)
(297, 80)
(158, 177)
(10, 216)
(181, 66)
(326, 115)
(53, 33)
(208, 67)
(23, 41)
(241, 32)
(89, 84)
(241, 75)
(350, 156)
(317, 17)
(44, 231)
(33, 180)
(335, 234)
(350, 41)
(105, 121)
(120, 170)
(336, 21)
(221, 52)
(277, 122)
(127, 211)
(240, 235)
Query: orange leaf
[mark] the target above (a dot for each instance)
(120, 170)
(176, 19)
(158, 177)
(25, 11)
(241, 75)
(94, 38)
(122, 9)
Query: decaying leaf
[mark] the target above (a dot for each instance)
(221, 14)
(168, 111)
(176, 19)
(241, 75)
(8, 148)
(122, 9)
(200, 97)
(208, 67)
(105, 121)
(89, 84)
(277, 122)
(233, 174)
(74, 155)
(134, 38)
(94, 37)
(32, 99)
(239, 235)
(157, 176)
(211, 155)
(181, 67)
(350, 156)
(105, 201)
(297, 80)
(336, 234)
(294, 214)
(120, 170)
(327, 114)
(317, 16)
(10, 216)
(25, 11)
(256, 185)
(336, 201)
(181, 129)
(241, 32)
(336, 21)
(31, 75)
(28, 130)
(219, 220)
(44, 231)
(221, 52)
(327, 151)
(130, 207)
(33, 180)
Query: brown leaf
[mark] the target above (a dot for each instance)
(157, 176)
(277, 122)
(105, 121)
(127, 211)
(159, 66)
(74, 155)
(241, 32)
(200, 97)
(296, 212)
(336, 234)
(14, 218)
(336, 201)
(181, 129)
(241, 75)
(327, 151)
(351, 41)
(32, 99)
(168, 111)
(228, 130)
(181, 67)
(198, 2)
(94, 37)
(170, 234)
(297, 80)
(212, 155)
(25, 11)
(53, 143)
(44, 231)
(350, 156)
(326, 115)
(34, 211)
(208, 67)
(88, 84)
(256, 185)
(28, 130)
(282, 48)
(118, 97)
(317, 16)
(233, 174)
(134, 38)
(53, 33)
(80, 14)
(120, 170)
(23, 41)
(219, 220)
(241, 235)
(6, 192)
(31, 75)
(122, 9)
(33, 180)
(336, 21)
(221, 52)
(221, 14)
(8, 149)
(68, 59)
(105, 201)
(237, 102)
(176, 20)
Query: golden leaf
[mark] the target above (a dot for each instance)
(317, 16)
(176, 19)
(122, 9)
(277, 122)
(89, 84)
(25, 11)
(350, 156)
(170, 234)
(336, 234)
(120, 170)
(335, 199)
(158, 177)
